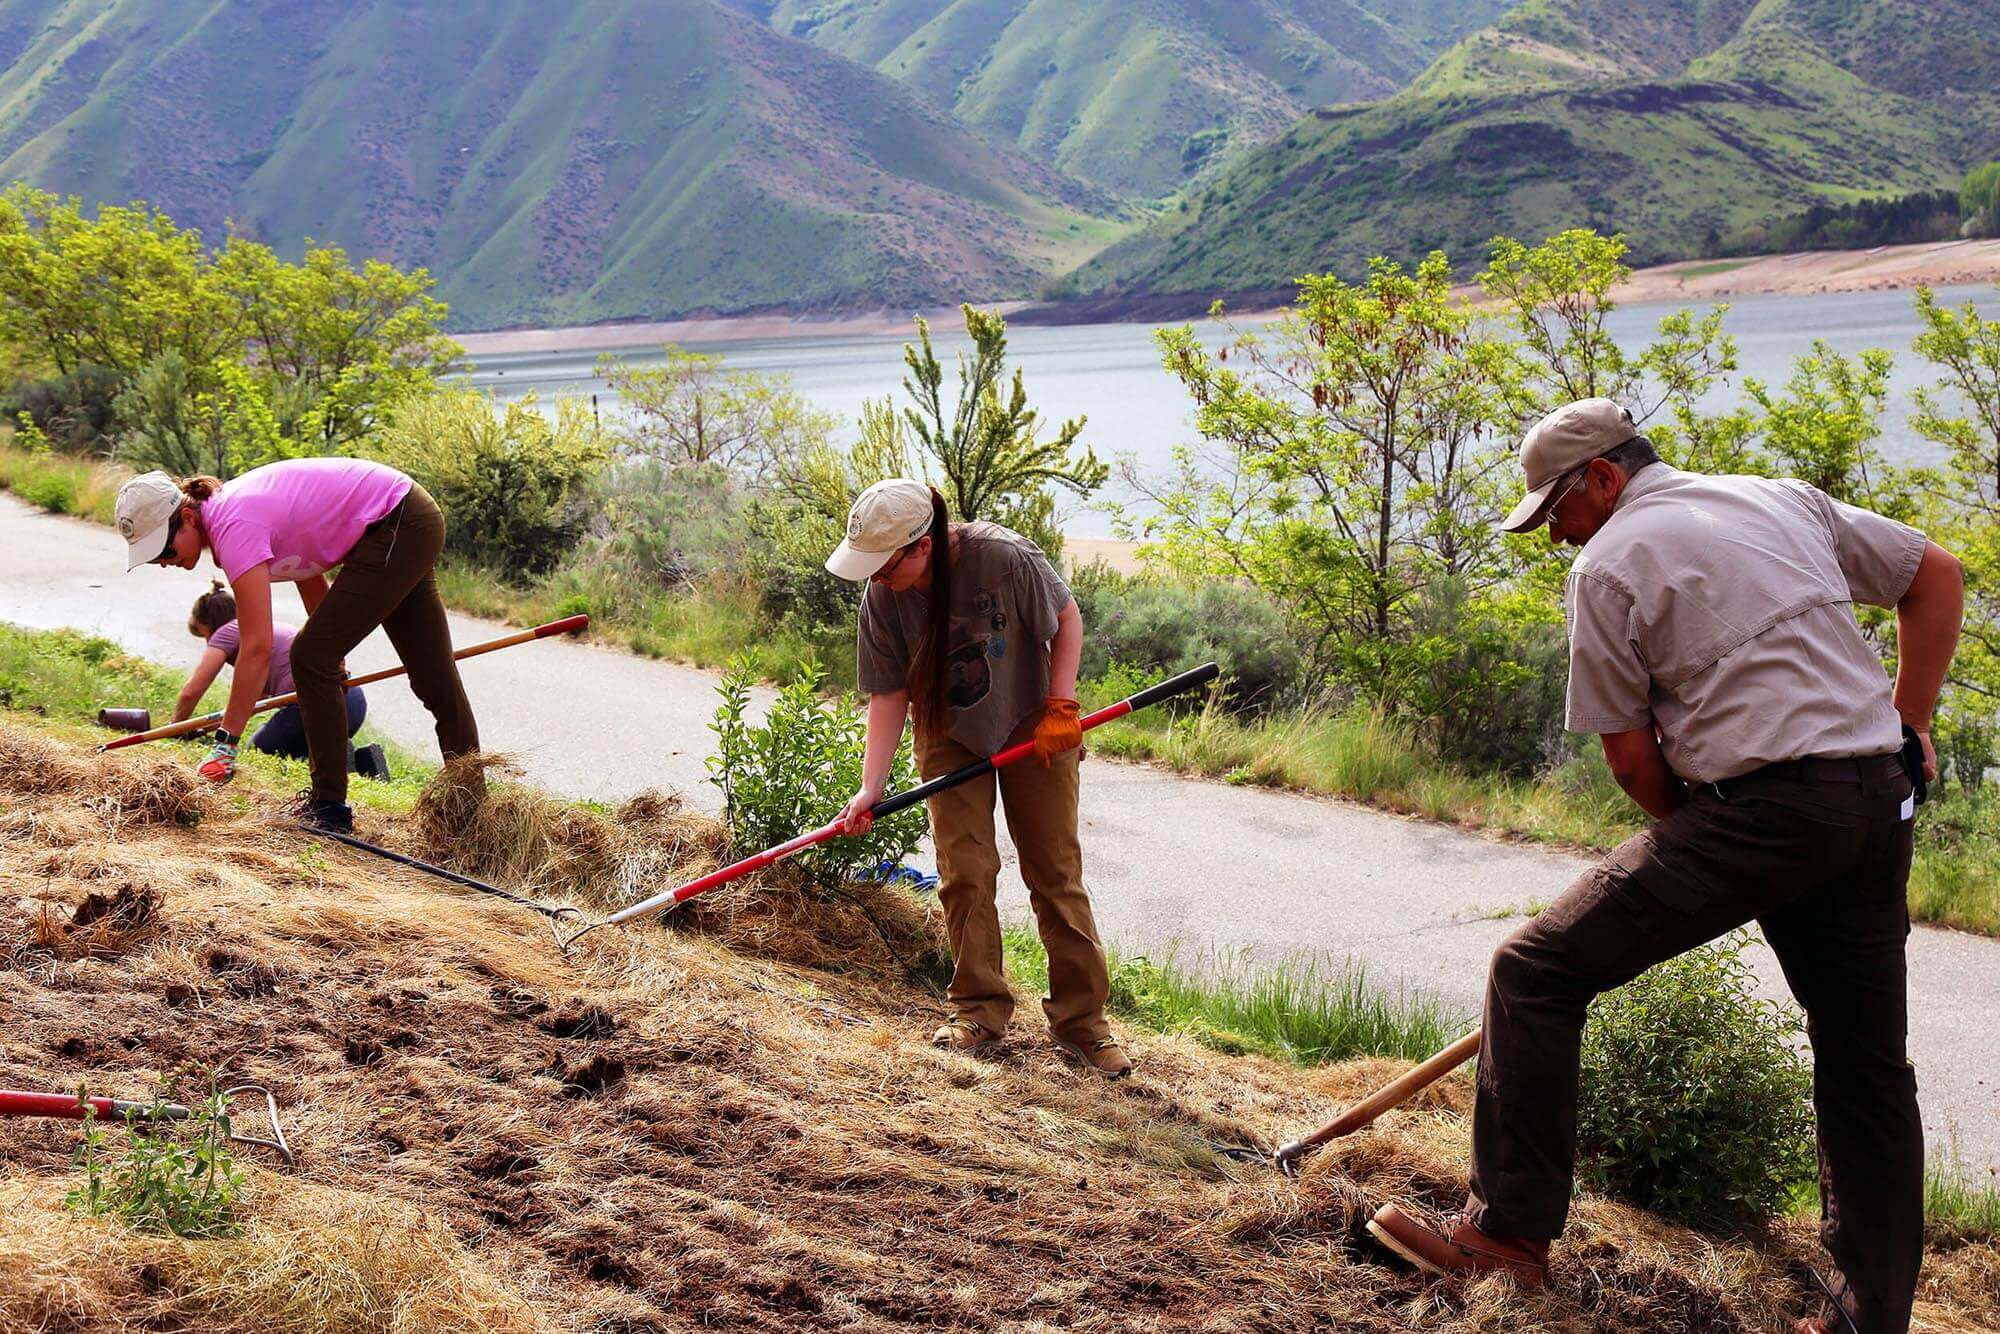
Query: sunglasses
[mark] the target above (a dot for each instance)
(883, 574)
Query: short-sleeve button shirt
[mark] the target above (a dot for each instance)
(1719, 609)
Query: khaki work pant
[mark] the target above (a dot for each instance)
(385, 580)
(1819, 855)
(1041, 815)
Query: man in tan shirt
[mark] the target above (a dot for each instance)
(1713, 648)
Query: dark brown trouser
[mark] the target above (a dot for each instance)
(1819, 856)
(385, 580)
(1041, 815)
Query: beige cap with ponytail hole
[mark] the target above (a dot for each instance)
(146, 507)
(887, 517)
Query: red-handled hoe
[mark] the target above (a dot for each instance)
(569, 625)
(889, 805)
(69, 1106)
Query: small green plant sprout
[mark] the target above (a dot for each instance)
(795, 771)
(177, 1178)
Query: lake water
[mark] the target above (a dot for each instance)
(1110, 373)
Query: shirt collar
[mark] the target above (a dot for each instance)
(1644, 481)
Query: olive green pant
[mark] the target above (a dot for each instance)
(385, 580)
(1041, 815)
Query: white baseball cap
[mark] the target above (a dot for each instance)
(1560, 443)
(146, 507)
(887, 517)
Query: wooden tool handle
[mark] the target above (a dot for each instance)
(1395, 1094)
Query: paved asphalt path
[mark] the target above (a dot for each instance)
(1212, 872)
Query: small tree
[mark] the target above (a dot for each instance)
(1823, 428)
(691, 408)
(1359, 461)
(990, 464)
(1979, 201)
(1965, 348)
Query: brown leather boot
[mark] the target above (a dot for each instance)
(965, 1035)
(1461, 1248)
(1104, 1055)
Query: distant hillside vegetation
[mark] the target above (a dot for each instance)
(1136, 96)
(1672, 122)
(549, 163)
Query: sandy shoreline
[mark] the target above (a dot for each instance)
(1885, 268)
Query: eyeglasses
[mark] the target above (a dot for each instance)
(1581, 473)
(883, 574)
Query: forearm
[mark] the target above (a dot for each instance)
(245, 689)
(1641, 768)
(886, 715)
(1927, 626)
(312, 592)
(1066, 652)
(1656, 792)
(184, 706)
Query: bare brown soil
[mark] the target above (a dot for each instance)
(734, 1126)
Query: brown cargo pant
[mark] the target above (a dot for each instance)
(1818, 854)
(1041, 815)
(385, 580)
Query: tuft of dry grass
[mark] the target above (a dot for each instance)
(663, 1130)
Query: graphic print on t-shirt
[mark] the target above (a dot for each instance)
(968, 670)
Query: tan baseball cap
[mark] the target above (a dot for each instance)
(887, 517)
(1566, 439)
(146, 506)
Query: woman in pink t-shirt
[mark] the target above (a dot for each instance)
(213, 621)
(297, 520)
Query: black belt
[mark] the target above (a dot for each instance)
(1815, 769)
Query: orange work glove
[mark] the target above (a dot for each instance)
(1058, 731)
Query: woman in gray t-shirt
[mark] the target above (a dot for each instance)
(971, 624)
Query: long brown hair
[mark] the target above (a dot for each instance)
(932, 658)
(194, 490)
(214, 609)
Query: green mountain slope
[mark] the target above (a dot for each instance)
(1137, 96)
(1667, 121)
(550, 163)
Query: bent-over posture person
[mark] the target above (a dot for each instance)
(1714, 649)
(296, 520)
(213, 621)
(971, 623)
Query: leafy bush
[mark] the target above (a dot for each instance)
(1695, 1101)
(1483, 682)
(793, 773)
(1154, 624)
(49, 490)
(671, 526)
(76, 412)
(515, 484)
(183, 1184)
(794, 587)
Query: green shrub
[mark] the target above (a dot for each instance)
(1695, 1100)
(794, 587)
(795, 771)
(182, 1180)
(516, 485)
(50, 490)
(1483, 682)
(76, 412)
(1158, 625)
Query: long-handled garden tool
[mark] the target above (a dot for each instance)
(69, 1106)
(889, 805)
(566, 626)
(1389, 1097)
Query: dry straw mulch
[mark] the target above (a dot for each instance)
(738, 1126)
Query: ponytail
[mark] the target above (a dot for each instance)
(214, 609)
(199, 487)
(932, 659)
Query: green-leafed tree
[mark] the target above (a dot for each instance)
(1966, 350)
(1979, 201)
(984, 452)
(1362, 453)
(692, 408)
(234, 356)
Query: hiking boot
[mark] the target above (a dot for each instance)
(1103, 1055)
(324, 817)
(1460, 1248)
(965, 1035)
